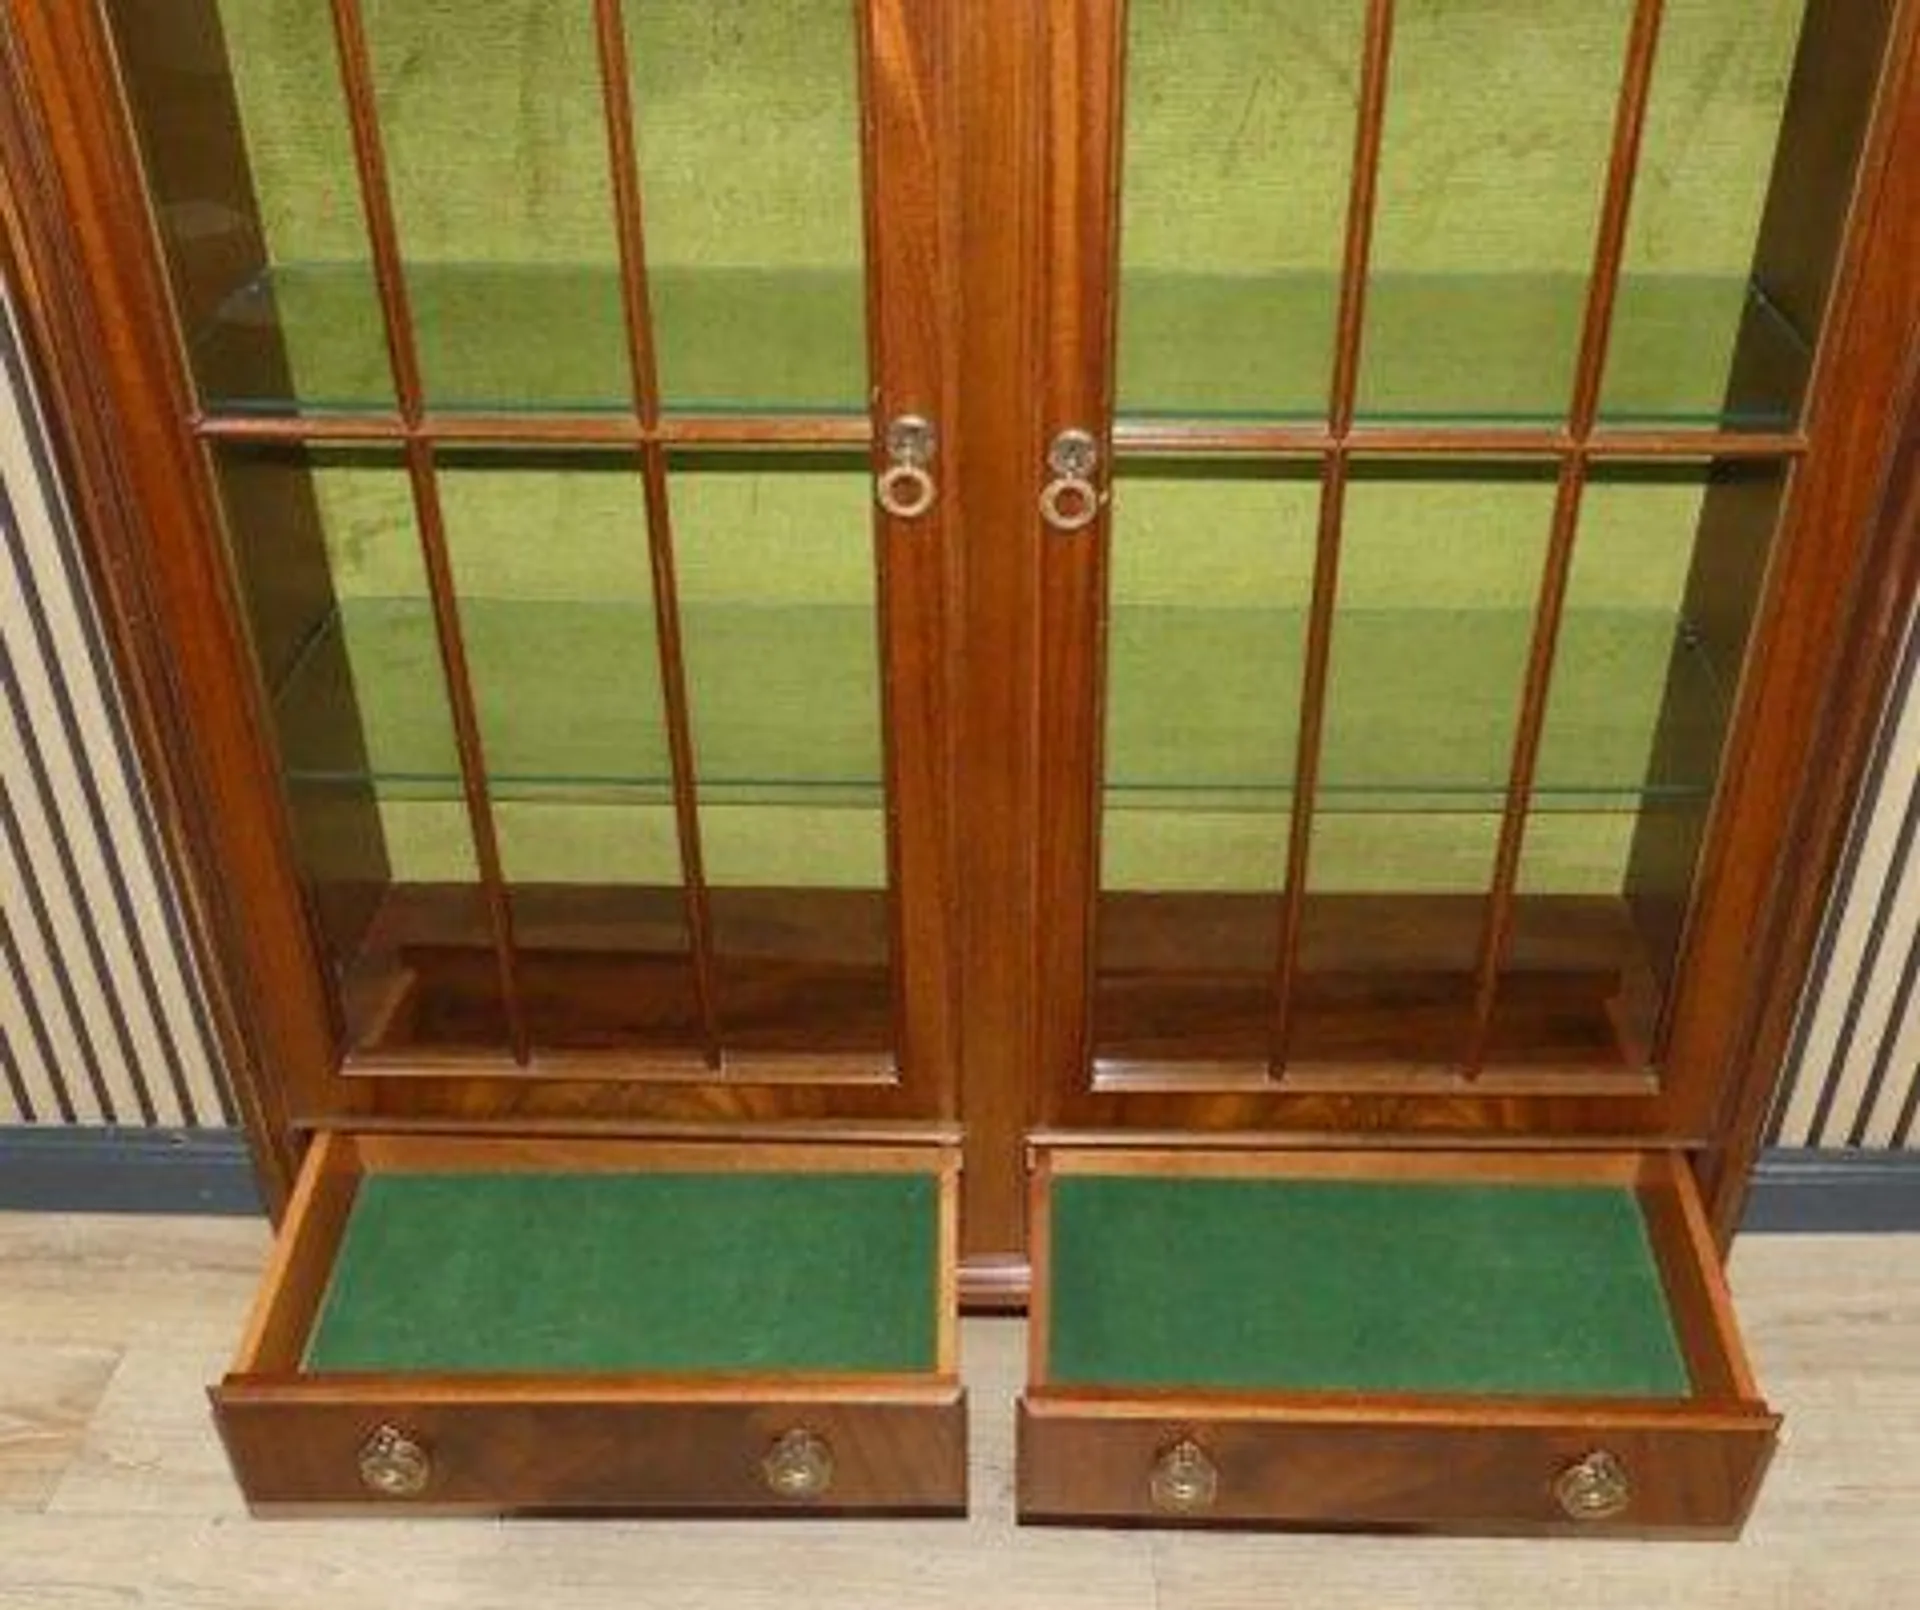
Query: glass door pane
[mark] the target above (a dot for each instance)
(585, 730)
(1238, 130)
(778, 600)
(749, 135)
(1457, 371)
(1211, 581)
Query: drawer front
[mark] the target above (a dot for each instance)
(1553, 1475)
(525, 1455)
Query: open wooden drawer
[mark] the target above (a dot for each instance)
(519, 1325)
(1486, 1342)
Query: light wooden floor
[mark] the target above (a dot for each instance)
(113, 1493)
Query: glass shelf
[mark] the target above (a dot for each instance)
(570, 707)
(501, 338)
(1471, 348)
(1205, 705)
(1488, 349)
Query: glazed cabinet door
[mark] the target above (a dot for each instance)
(1426, 402)
(572, 379)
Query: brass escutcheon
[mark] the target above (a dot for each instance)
(799, 1465)
(1594, 1488)
(1185, 1481)
(394, 1465)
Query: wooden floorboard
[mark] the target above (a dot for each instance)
(113, 1492)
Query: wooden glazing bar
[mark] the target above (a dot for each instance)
(1138, 438)
(1174, 439)
(747, 431)
(617, 103)
(1369, 132)
(1357, 258)
(356, 73)
(1603, 289)
(1610, 249)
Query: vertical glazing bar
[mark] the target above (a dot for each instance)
(1369, 130)
(356, 72)
(1589, 373)
(624, 162)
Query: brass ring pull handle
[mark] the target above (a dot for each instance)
(1185, 1481)
(798, 1466)
(1069, 504)
(1071, 501)
(394, 1465)
(905, 488)
(1595, 1488)
(905, 491)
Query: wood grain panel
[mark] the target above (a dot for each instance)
(1470, 1470)
(519, 1455)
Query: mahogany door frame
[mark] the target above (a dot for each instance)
(94, 291)
(1814, 682)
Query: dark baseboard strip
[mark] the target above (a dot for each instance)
(54, 1169)
(1796, 1190)
(111, 1170)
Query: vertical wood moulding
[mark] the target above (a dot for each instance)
(1084, 50)
(1813, 688)
(82, 260)
(910, 208)
(996, 443)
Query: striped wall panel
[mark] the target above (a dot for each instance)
(101, 1018)
(1856, 1050)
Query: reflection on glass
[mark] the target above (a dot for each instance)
(322, 543)
(781, 637)
(550, 560)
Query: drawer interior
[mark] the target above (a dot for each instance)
(453, 1256)
(1518, 1276)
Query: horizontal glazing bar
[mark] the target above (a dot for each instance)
(557, 430)
(1173, 440)
(1157, 440)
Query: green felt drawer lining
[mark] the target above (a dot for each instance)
(1362, 1286)
(604, 1272)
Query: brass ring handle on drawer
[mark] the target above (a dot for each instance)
(1594, 1488)
(394, 1465)
(799, 1465)
(905, 488)
(1185, 1481)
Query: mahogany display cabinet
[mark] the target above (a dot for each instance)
(1194, 665)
